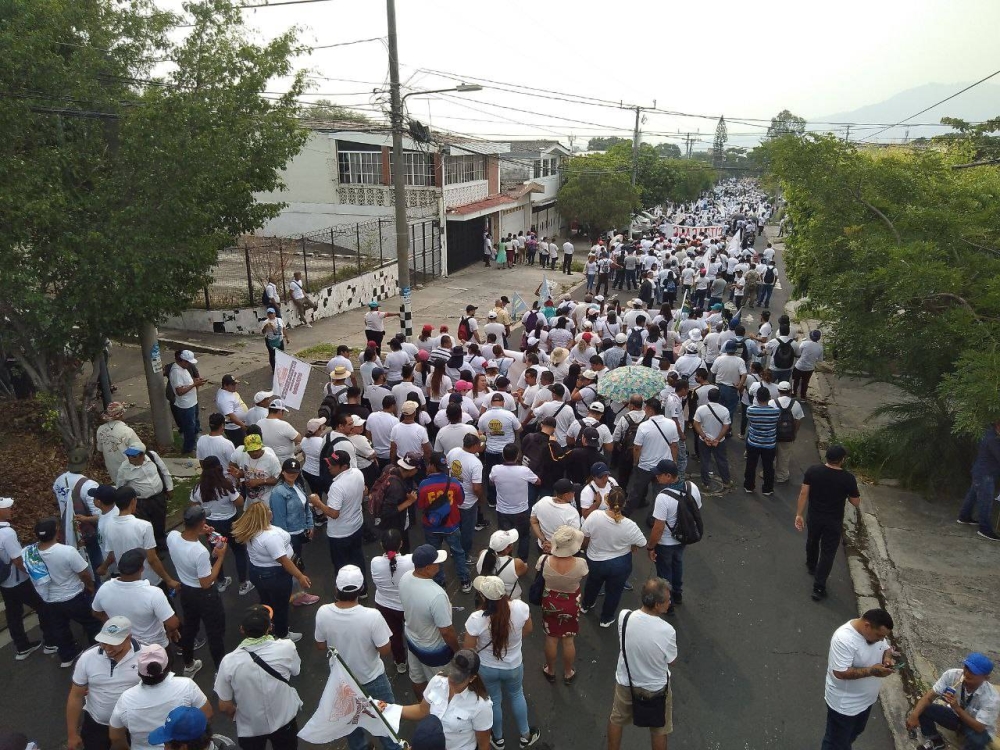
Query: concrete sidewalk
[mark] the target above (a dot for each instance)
(906, 553)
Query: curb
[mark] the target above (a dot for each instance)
(196, 347)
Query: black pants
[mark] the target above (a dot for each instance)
(225, 527)
(348, 550)
(521, 522)
(61, 614)
(567, 266)
(203, 606)
(95, 736)
(270, 352)
(285, 738)
(842, 730)
(274, 586)
(154, 510)
(489, 461)
(822, 541)
(766, 456)
(603, 281)
(377, 337)
(235, 436)
(14, 601)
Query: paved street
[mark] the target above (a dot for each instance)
(752, 645)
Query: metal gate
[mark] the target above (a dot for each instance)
(425, 251)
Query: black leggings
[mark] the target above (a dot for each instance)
(203, 606)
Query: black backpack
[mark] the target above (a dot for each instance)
(689, 528)
(633, 344)
(329, 446)
(628, 437)
(744, 350)
(784, 355)
(769, 275)
(786, 423)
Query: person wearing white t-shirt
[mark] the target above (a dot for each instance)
(125, 532)
(185, 388)
(465, 466)
(649, 644)
(387, 570)
(551, 512)
(656, 437)
(499, 560)
(199, 597)
(258, 468)
(500, 428)
(301, 300)
(344, 528)
(360, 635)
(100, 676)
(145, 707)
(666, 551)
(375, 324)
(152, 618)
(499, 647)
(230, 405)
(278, 434)
(594, 494)
(860, 657)
(77, 511)
(453, 434)
(16, 589)
(215, 443)
(408, 436)
(783, 456)
(62, 578)
(612, 538)
(712, 425)
(510, 480)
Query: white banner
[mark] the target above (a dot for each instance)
(734, 243)
(678, 230)
(544, 291)
(290, 378)
(344, 707)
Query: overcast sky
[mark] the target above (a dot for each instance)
(739, 59)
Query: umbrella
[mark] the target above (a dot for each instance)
(622, 382)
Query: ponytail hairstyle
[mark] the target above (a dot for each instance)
(392, 540)
(616, 503)
(499, 613)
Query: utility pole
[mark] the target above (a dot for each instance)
(847, 135)
(635, 147)
(399, 176)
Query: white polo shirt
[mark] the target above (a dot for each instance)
(462, 716)
(143, 708)
(346, 495)
(105, 680)
(357, 633)
(665, 509)
(263, 704)
(145, 606)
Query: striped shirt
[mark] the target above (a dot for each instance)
(762, 431)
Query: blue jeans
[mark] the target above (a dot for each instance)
(670, 565)
(453, 539)
(979, 501)
(590, 281)
(506, 682)
(612, 574)
(381, 690)
(936, 715)
(188, 425)
(842, 730)
(729, 397)
(630, 277)
(764, 294)
(718, 452)
(468, 527)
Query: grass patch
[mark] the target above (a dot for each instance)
(181, 496)
(319, 351)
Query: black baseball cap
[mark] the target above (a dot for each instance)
(291, 466)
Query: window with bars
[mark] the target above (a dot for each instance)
(537, 169)
(419, 168)
(464, 169)
(360, 167)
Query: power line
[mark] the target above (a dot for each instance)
(347, 44)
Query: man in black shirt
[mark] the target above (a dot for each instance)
(825, 488)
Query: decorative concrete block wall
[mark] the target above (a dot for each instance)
(351, 294)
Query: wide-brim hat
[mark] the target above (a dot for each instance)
(566, 541)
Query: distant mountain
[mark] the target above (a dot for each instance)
(980, 103)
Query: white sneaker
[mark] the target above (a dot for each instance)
(293, 636)
(309, 325)
(50, 650)
(192, 670)
(223, 584)
(245, 588)
(401, 667)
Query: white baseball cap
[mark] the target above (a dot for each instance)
(621, 338)
(350, 579)
(491, 314)
(115, 632)
(6, 502)
(501, 540)
(188, 356)
(261, 395)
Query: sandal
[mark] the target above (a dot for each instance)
(548, 675)
(568, 679)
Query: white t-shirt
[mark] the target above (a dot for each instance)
(500, 427)
(409, 437)
(295, 288)
(551, 515)
(65, 564)
(63, 489)
(267, 466)
(591, 493)
(214, 445)
(468, 469)
(128, 532)
(230, 402)
(191, 559)
(608, 539)
(462, 716)
(346, 495)
(654, 437)
(279, 436)
(10, 550)
(712, 418)
(143, 708)
(270, 544)
(386, 582)
(728, 369)
(380, 425)
(810, 353)
(342, 361)
(357, 633)
(179, 377)
(452, 437)
(403, 388)
(478, 625)
(651, 644)
(263, 704)
(512, 483)
(221, 509)
(848, 648)
(145, 606)
(665, 509)
(426, 608)
(375, 321)
(105, 681)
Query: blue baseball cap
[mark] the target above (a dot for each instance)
(134, 451)
(184, 724)
(425, 555)
(978, 663)
(429, 734)
(600, 469)
(666, 466)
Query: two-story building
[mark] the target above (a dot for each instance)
(535, 163)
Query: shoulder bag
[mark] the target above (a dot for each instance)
(537, 589)
(267, 667)
(649, 711)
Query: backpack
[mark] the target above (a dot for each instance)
(689, 527)
(784, 355)
(743, 350)
(463, 330)
(442, 512)
(670, 284)
(786, 423)
(264, 298)
(376, 495)
(329, 446)
(769, 275)
(6, 567)
(628, 437)
(633, 344)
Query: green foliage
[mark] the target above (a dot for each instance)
(119, 185)
(598, 197)
(901, 254)
(668, 150)
(976, 139)
(785, 123)
(603, 144)
(326, 111)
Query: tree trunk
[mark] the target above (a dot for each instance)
(151, 365)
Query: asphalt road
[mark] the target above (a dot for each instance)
(752, 645)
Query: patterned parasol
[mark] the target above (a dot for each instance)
(622, 382)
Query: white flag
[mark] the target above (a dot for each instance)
(290, 378)
(517, 306)
(343, 708)
(544, 292)
(734, 243)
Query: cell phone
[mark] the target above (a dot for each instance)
(899, 665)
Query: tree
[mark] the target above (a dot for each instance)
(326, 111)
(597, 193)
(976, 138)
(118, 186)
(785, 123)
(605, 144)
(719, 145)
(668, 150)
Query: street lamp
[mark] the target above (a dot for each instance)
(398, 171)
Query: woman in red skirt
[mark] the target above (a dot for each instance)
(561, 600)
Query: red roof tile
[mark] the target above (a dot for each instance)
(494, 201)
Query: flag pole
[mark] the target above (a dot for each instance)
(372, 702)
